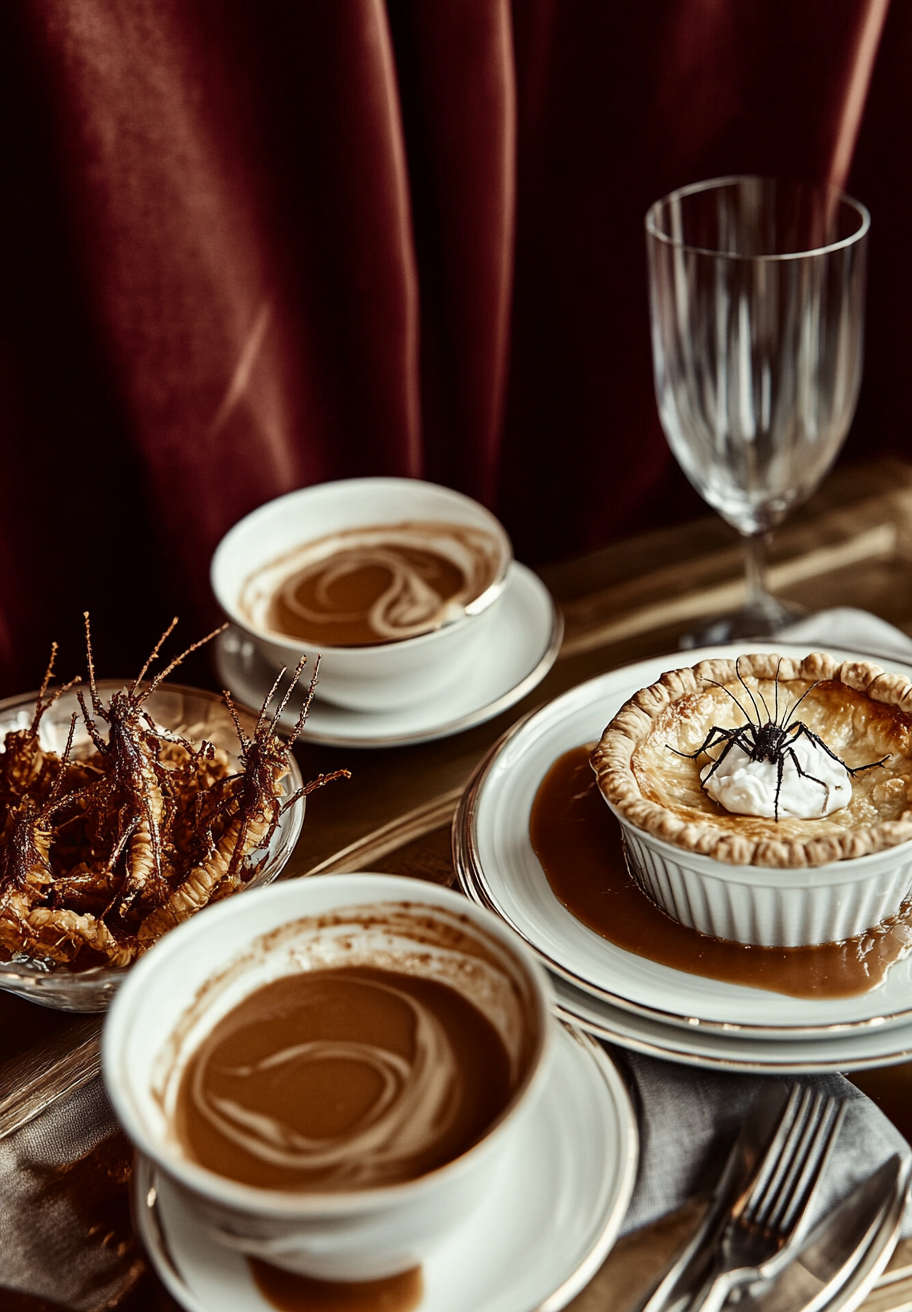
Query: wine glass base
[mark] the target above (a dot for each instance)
(762, 620)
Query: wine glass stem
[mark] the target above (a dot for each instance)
(755, 569)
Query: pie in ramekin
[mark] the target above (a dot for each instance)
(754, 879)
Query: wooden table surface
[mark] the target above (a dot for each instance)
(851, 545)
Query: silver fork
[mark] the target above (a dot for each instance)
(765, 1223)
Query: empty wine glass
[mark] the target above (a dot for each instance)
(757, 305)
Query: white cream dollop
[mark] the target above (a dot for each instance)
(746, 787)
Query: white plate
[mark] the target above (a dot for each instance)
(496, 864)
(538, 1239)
(523, 647)
(735, 1051)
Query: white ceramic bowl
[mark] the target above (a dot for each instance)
(749, 880)
(195, 714)
(770, 907)
(386, 676)
(201, 970)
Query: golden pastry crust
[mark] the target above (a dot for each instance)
(860, 712)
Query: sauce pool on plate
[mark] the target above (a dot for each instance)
(293, 1293)
(578, 843)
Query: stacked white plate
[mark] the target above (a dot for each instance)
(629, 999)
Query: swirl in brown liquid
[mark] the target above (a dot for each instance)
(367, 594)
(373, 585)
(340, 1079)
(578, 842)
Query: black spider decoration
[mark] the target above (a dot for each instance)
(770, 740)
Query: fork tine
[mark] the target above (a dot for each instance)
(821, 1138)
(771, 1166)
(763, 1199)
(807, 1150)
(795, 1117)
(782, 1205)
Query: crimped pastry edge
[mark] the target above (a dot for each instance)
(612, 757)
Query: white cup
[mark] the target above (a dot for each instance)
(389, 675)
(177, 993)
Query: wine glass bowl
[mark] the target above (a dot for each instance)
(757, 308)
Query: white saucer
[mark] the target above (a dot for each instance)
(615, 993)
(523, 647)
(538, 1239)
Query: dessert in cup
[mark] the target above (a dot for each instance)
(337, 1147)
(767, 800)
(396, 582)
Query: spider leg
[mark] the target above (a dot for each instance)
(786, 723)
(770, 719)
(753, 700)
(714, 683)
(804, 774)
(712, 739)
(731, 739)
(776, 701)
(780, 766)
(802, 731)
(857, 769)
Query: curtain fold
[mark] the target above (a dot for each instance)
(251, 247)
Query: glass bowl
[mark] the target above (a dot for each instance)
(193, 714)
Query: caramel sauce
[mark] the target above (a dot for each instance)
(293, 1293)
(342, 1079)
(361, 596)
(579, 844)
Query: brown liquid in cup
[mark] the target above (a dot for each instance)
(375, 584)
(342, 1079)
(579, 844)
(354, 597)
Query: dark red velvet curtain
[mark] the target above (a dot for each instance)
(249, 246)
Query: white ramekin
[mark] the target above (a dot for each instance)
(766, 906)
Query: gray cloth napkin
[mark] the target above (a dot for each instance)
(689, 1117)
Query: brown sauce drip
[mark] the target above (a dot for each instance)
(360, 1077)
(578, 842)
(293, 1293)
(361, 596)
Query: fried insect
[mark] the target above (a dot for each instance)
(101, 855)
(58, 934)
(26, 769)
(26, 874)
(240, 816)
(130, 788)
(771, 739)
